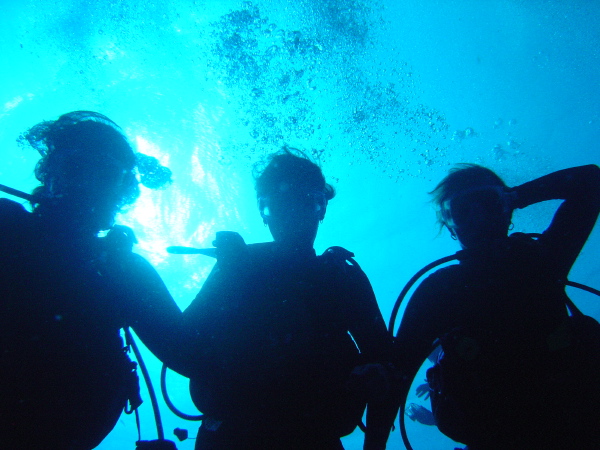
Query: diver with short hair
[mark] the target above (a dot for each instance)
(66, 292)
(293, 344)
(515, 370)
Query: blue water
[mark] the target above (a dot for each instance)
(386, 95)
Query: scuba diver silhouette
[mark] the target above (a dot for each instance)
(516, 371)
(293, 344)
(66, 292)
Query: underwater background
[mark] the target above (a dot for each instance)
(386, 95)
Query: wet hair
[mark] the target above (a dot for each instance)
(153, 175)
(61, 143)
(290, 169)
(462, 178)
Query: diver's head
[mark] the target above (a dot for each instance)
(86, 169)
(472, 203)
(292, 197)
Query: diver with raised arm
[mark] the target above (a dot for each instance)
(66, 291)
(281, 329)
(515, 371)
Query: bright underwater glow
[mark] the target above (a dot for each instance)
(386, 95)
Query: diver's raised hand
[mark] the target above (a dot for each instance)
(423, 390)
(420, 414)
(230, 247)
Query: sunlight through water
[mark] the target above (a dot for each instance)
(385, 95)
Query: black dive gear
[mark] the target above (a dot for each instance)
(171, 405)
(119, 239)
(231, 249)
(578, 320)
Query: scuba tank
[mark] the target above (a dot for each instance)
(575, 313)
(123, 237)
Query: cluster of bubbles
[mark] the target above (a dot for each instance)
(312, 78)
(510, 146)
(309, 87)
(459, 135)
(501, 141)
(265, 71)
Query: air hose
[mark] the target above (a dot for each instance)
(172, 407)
(457, 256)
(413, 280)
(138, 356)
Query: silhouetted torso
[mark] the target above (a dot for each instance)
(275, 340)
(512, 304)
(512, 292)
(516, 372)
(62, 362)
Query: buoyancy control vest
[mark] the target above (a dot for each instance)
(321, 318)
(459, 384)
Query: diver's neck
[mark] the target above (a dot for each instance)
(71, 227)
(295, 248)
(487, 245)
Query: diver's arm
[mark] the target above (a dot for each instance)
(381, 414)
(227, 275)
(426, 318)
(153, 314)
(367, 326)
(375, 343)
(216, 308)
(574, 220)
(198, 307)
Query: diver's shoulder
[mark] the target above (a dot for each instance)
(444, 276)
(10, 207)
(120, 239)
(531, 244)
(338, 255)
(13, 215)
(261, 249)
(524, 238)
(448, 272)
(340, 260)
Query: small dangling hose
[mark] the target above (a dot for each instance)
(172, 407)
(138, 356)
(582, 287)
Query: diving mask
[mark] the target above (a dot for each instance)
(313, 202)
(464, 207)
